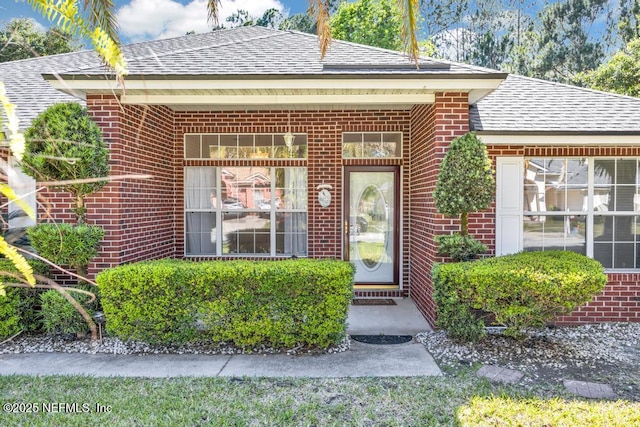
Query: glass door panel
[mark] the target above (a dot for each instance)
(371, 224)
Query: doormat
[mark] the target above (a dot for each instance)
(377, 301)
(382, 339)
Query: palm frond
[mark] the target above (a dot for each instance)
(320, 11)
(18, 260)
(66, 15)
(11, 124)
(11, 195)
(101, 14)
(410, 10)
(213, 9)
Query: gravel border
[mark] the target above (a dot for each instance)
(109, 345)
(605, 352)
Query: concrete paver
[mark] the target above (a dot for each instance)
(400, 319)
(499, 374)
(590, 390)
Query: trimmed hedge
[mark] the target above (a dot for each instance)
(248, 303)
(523, 290)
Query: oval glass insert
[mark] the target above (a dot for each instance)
(371, 210)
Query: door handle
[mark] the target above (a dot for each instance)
(346, 227)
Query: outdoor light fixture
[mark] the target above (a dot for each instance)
(289, 137)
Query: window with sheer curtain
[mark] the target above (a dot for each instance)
(248, 210)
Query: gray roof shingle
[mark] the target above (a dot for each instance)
(519, 105)
(527, 105)
(261, 51)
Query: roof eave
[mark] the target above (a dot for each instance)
(560, 138)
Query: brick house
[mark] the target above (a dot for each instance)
(259, 150)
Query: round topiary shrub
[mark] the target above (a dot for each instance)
(465, 184)
(65, 144)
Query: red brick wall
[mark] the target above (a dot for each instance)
(432, 129)
(620, 300)
(325, 165)
(137, 214)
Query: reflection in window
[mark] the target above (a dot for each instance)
(371, 145)
(243, 146)
(565, 209)
(252, 210)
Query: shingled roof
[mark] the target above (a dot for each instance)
(519, 105)
(530, 106)
(259, 51)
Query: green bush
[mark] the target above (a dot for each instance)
(21, 303)
(528, 289)
(465, 182)
(459, 247)
(67, 244)
(277, 303)
(60, 316)
(10, 320)
(61, 132)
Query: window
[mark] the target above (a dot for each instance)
(254, 210)
(371, 145)
(244, 146)
(25, 189)
(586, 205)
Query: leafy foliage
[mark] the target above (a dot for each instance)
(65, 144)
(523, 290)
(20, 39)
(459, 247)
(299, 22)
(67, 244)
(59, 316)
(18, 308)
(100, 27)
(371, 22)
(271, 18)
(621, 74)
(277, 303)
(10, 320)
(465, 181)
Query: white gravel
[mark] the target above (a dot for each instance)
(606, 352)
(49, 344)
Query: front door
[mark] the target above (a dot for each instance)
(371, 223)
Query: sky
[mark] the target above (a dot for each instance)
(141, 20)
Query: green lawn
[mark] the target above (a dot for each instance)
(238, 402)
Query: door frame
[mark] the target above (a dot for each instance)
(346, 212)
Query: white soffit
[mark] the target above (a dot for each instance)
(293, 91)
(591, 140)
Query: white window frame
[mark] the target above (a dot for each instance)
(25, 188)
(381, 134)
(514, 201)
(218, 210)
(277, 141)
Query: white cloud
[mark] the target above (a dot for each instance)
(157, 19)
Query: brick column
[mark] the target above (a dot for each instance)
(433, 127)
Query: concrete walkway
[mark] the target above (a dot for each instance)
(362, 360)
